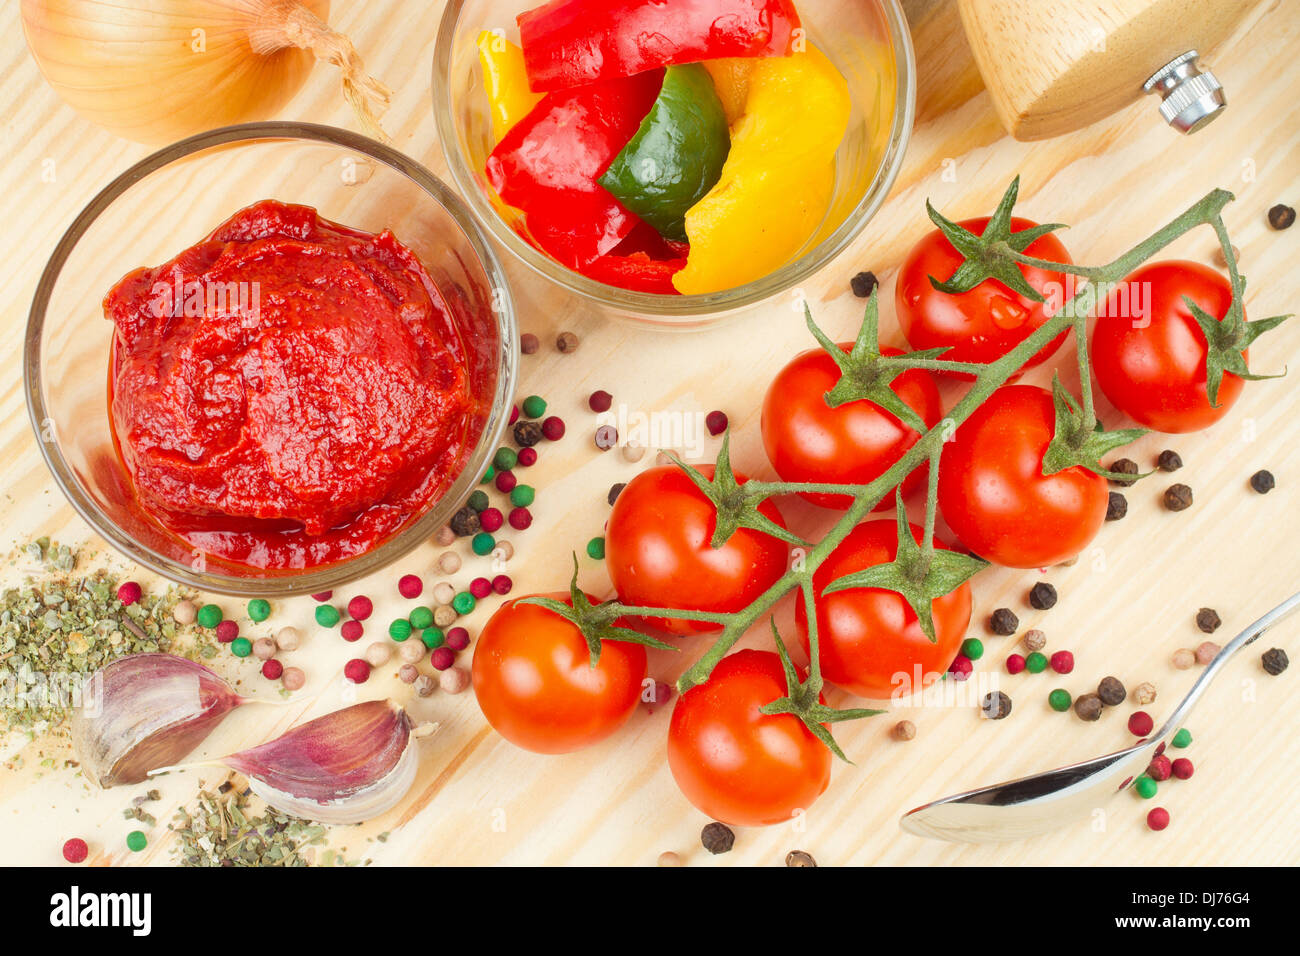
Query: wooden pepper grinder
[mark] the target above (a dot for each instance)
(1053, 66)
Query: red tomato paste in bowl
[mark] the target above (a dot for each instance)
(288, 392)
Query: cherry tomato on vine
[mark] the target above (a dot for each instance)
(987, 322)
(1149, 354)
(535, 684)
(658, 553)
(993, 492)
(870, 640)
(735, 763)
(808, 441)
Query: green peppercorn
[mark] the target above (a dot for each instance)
(327, 615)
(136, 841)
(463, 603)
(521, 496)
(1146, 787)
(973, 648)
(488, 475)
(1183, 738)
(241, 647)
(483, 543)
(505, 458)
(421, 618)
(534, 406)
(479, 501)
(259, 610)
(1036, 663)
(1059, 700)
(400, 629)
(433, 637)
(209, 616)
(596, 549)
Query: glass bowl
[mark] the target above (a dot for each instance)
(870, 44)
(166, 203)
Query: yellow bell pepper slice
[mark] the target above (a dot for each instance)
(506, 82)
(778, 181)
(731, 78)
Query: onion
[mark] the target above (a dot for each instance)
(157, 70)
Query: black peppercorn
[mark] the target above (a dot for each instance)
(1116, 506)
(718, 838)
(527, 434)
(1169, 460)
(1281, 216)
(995, 705)
(614, 492)
(1207, 619)
(1262, 481)
(1125, 466)
(1004, 621)
(465, 522)
(1111, 691)
(1088, 707)
(1042, 596)
(1275, 661)
(799, 858)
(864, 283)
(1178, 497)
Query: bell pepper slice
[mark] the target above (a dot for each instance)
(571, 43)
(505, 81)
(548, 166)
(778, 180)
(731, 78)
(676, 156)
(636, 272)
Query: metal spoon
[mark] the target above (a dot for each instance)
(1032, 805)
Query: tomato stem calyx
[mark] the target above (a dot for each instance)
(1080, 439)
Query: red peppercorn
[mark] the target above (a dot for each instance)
(457, 639)
(520, 518)
(1160, 768)
(129, 592)
(227, 631)
(323, 596)
(506, 482)
(600, 401)
(410, 586)
(480, 587)
(361, 607)
(351, 631)
(502, 584)
(75, 850)
(1015, 664)
(527, 457)
(272, 669)
(716, 423)
(1062, 662)
(1140, 723)
(490, 519)
(1182, 768)
(1158, 818)
(553, 428)
(514, 414)
(357, 670)
(442, 658)
(961, 667)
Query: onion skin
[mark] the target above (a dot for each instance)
(130, 65)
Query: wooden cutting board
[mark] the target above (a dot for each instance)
(1124, 607)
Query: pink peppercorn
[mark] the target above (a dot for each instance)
(323, 596)
(520, 518)
(1140, 723)
(129, 592)
(502, 584)
(351, 631)
(961, 667)
(1062, 662)
(490, 519)
(506, 482)
(457, 639)
(514, 414)
(272, 669)
(357, 670)
(553, 428)
(76, 850)
(480, 587)
(442, 658)
(227, 631)
(410, 586)
(361, 607)
(1015, 664)
(716, 423)
(527, 457)
(600, 401)
(1158, 818)
(1182, 768)
(1160, 768)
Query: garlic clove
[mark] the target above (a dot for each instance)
(345, 767)
(145, 711)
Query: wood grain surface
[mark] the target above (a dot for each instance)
(1125, 607)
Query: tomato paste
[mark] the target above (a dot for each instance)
(288, 392)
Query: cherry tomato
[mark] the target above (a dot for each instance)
(808, 441)
(870, 640)
(994, 495)
(1149, 355)
(535, 684)
(735, 763)
(987, 322)
(658, 553)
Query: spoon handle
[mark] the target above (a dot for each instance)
(1248, 636)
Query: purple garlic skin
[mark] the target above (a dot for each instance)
(143, 712)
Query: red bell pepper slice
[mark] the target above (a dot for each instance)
(549, 163)
(570, 43)
(643, 262)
